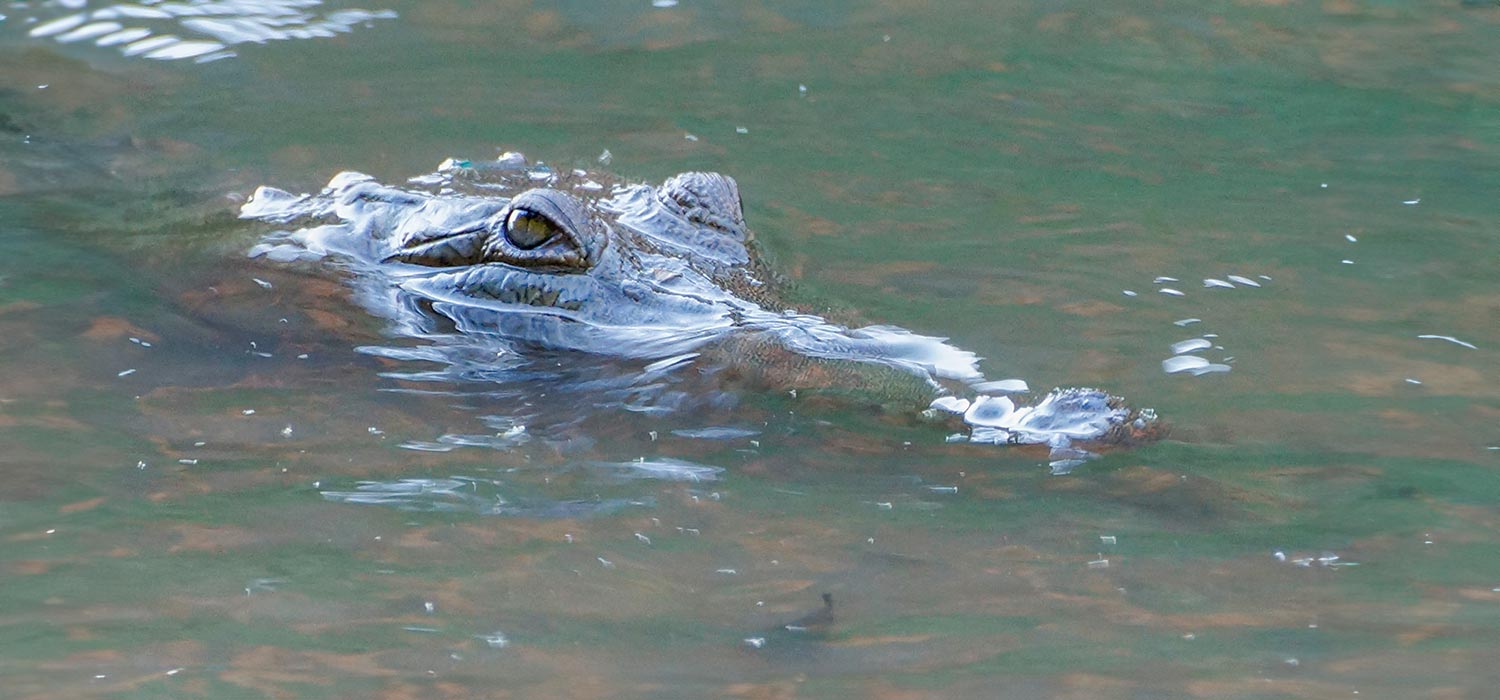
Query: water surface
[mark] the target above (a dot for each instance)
(211, 492)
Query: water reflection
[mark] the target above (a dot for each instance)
(213, 27)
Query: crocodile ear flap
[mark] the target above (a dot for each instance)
(707, 199)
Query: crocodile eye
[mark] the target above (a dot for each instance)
(527, 229)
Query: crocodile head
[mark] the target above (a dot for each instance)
(645, 272)
(533, 260)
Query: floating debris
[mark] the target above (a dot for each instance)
(1243, 280)
(755, 642)
(1107, 539)
(1099, 564)
(1409, 380)
(125, 373)
(1160, 280)
(1350, 238)
(263, 284)
(741, 130)
(1128, 293)
(1171, 292)
(1211, 283)
(1412, 202)
(1187, 321)
(1450, 339)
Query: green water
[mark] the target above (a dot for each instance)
(996, 173)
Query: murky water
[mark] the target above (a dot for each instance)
(211, 491)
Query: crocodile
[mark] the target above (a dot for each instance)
(530, 260)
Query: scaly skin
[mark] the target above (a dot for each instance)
(578, 261)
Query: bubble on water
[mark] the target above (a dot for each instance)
(1183, 363)
(1450, 339)
(57, 26)
(1003, 386)
(90, 31)
(495, 640)
(990, 411)
(146, 45)
(663, 468)
(1190, 345)
(950, 404)
(1192, 364)
(1063, 467)
(185, 49)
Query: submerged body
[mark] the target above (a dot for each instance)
(535, 261)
